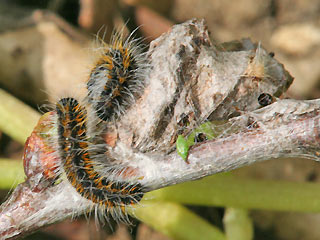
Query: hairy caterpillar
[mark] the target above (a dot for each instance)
(115, 82)
(117, 78)
(79, 165)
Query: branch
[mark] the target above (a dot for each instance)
(287, 128)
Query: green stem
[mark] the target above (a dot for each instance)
(176, 221)
(17, 119)
(237, 224)
(228, 191)
(11, 173)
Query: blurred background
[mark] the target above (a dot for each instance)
(46, 52)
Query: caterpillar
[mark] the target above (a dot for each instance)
(115, 82)
(117, 78)
(79, 164)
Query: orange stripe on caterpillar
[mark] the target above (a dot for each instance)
(78, 164)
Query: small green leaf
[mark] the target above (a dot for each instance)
(182, 147)
(183, 144)
(205, 128)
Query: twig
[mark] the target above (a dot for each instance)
(229, 191)
(17, 119)
(177, 222)
(237, 224)
(287, 128)
(11, 173)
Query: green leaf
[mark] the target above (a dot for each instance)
(182, 147)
